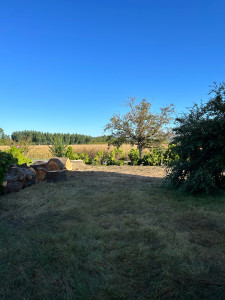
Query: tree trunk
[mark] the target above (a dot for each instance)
(140, 149)
(40, 164)
(17, 178)
(55, 176)
(58, 163)
(41, 174)
(29, 176)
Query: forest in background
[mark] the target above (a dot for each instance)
(46, 138)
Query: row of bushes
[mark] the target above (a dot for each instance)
(117, 157)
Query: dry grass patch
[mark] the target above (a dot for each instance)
(43, 152)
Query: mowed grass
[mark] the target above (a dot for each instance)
(111, 233)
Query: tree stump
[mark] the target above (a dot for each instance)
(55, 176)
(41, 174)
(59, 163)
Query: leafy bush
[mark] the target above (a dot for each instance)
(85, 158)
(58, 148)
(199, 141)
(134, 156)
(153, 158)
(170, 155)
(6, 160)
(74, 156)
(116, 157)
(17, 154)
(71, 154)
(98, 159)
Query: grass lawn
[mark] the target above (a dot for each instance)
(111, 233)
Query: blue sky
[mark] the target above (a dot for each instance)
(68, 65)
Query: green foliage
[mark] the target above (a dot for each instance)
(45, 138)
(75, 156)
(4, 139)
(116, 157)
(140, 126)
(1, 179)
(199, 142)
(58, 147)
(21, 158)
(85, 158)
(99, 158)
(170, 155)
(71, 154)
(153, 158)
(6, 160)
(134, 156)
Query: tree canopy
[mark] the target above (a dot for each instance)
(140, 126)
(199, 142)
(46, 138)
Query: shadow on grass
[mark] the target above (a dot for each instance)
(109, 235)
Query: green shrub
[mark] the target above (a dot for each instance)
(74, 156)
(134, 156)
(6, 160)
(170, 155)
(116, 157)
(17, 154)
(199, 141)
(85, 158)
(98, 159)
(71, 154)
(58, 148)
(153, 158)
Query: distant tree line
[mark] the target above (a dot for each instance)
(4, 139)
(46, 138)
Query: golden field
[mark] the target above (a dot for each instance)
(43, 152)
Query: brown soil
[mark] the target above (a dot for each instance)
(145, 171)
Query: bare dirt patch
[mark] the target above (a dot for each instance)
(144, 171)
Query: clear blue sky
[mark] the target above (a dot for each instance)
(68, 65)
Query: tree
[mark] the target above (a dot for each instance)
(199, 142)
(140, 126)
(58, 147)
(1, 133)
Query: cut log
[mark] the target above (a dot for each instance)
(17, 178)
(29, 176)
(13, 171)
(14, 186)
(76, 164)
(58, 163)
(55, 176)
(41, 174)
(13, 181)
(24, 166)
(4, 184)
(40, 164)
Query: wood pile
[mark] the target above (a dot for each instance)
(22, 176)
(54, 170)
(18, 177)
